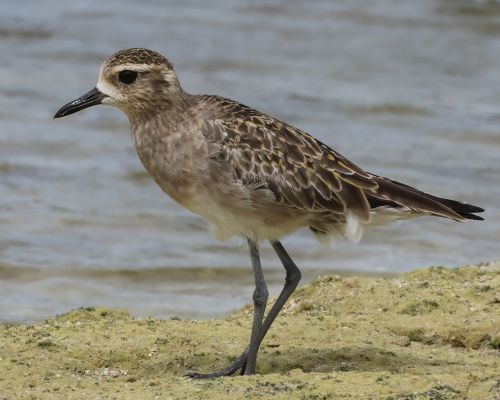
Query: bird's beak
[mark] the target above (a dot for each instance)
(89, 99)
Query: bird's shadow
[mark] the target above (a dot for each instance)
(273, 360)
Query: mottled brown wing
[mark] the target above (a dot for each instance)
(300, 171)
(303, 173)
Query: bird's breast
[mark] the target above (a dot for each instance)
(180, 164)
(176, 161)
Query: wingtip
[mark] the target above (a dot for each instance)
(473, 217)
(470, 208)
(469, 211)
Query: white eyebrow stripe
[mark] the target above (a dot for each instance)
(133, 67)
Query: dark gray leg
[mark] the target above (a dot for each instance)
(260, 296)
(293, 277)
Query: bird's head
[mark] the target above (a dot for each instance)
(138, 81)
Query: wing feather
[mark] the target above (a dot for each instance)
(302, 173)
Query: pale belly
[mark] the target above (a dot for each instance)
(228, 217)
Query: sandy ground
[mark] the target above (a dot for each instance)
(430, 334)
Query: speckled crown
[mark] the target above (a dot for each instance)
(137, 56)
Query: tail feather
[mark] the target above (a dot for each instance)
(393, 193)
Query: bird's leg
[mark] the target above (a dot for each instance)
(260, 296)
(293, 277)
(248, 358)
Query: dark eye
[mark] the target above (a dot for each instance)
(127, 76)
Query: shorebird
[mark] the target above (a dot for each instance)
(249, 174)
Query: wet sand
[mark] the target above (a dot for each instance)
(429, 334)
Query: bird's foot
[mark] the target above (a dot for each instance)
(239, 364)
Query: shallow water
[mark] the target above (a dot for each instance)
(409, 90)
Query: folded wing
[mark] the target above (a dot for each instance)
(305, 174)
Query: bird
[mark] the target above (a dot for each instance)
(249, 174)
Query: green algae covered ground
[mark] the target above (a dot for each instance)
(429, 334)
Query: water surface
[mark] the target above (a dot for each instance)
(410, 90)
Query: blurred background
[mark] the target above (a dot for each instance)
(410, 90)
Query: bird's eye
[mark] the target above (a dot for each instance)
(127, 76)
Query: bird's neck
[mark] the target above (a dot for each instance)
(162, 108)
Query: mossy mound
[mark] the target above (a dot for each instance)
(429, 334)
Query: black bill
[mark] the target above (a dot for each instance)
(89, 99)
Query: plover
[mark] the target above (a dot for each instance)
(249, 174)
